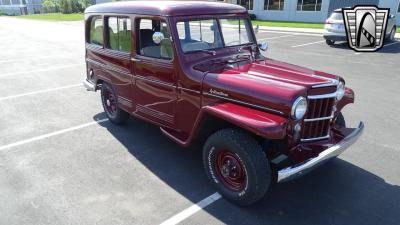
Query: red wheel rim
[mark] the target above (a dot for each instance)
(110, 102)
(230, 170)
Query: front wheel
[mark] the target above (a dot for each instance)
(237, 166)
(329, 42)
(109, 99)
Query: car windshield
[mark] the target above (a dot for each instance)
(203, 35)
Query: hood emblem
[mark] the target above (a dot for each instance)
(220, 93)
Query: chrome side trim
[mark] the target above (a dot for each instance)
(245, 103)
(296, 171)
(162, 83)
(89, 85)
(330, 95)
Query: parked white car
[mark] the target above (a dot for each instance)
(335, 30)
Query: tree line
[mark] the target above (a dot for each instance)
(65, 6)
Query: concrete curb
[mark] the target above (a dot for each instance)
(301, 30)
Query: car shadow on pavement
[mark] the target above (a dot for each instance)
(391, 48)
(336, 193)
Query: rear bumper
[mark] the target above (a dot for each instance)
(89, 85)
(293, 172)
(335, 36)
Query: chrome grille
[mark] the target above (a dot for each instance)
(318, 118)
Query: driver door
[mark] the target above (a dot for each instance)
(155, 77)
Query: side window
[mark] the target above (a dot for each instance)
(119, 34)
(96, 30)
(145, 42)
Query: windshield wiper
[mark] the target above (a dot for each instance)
(211, 52)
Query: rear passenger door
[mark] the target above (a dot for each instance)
(155, 77)
(117, 57)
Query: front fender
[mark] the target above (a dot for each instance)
(348, 98)
(267, 125)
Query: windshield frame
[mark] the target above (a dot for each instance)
(252, 38)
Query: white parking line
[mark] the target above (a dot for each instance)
(192, 210)
(270, 38)
(4, 147)
(295, 46)
(41, 70)
(38, 92)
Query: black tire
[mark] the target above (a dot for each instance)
(340, 120)
(249, 154)
(114, 113)
(391, 35)
(330, 42)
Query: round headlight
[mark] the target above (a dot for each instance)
(299, 108)
(340, 91)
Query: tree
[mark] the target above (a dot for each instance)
(48, 6)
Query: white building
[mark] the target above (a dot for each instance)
(308, 10)
(20, 7)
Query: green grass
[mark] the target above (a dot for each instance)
(398, 30)
(54, 17)
(287, 24)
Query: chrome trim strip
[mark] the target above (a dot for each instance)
(315, 139)
(89, 85)
(330, 95)
(319, 118)
(154, 81)
(333, 82)
(245, 103)
(108, 67)
(189, 90)
(296, 171)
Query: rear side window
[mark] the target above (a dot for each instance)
(336, 16)
(96, 30)
(119, 34)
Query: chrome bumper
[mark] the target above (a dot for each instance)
(299, 170)
(89, 85)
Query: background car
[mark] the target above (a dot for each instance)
(335, 30)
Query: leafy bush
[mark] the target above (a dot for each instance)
(253, 16)
(49, 6)
(73, 6)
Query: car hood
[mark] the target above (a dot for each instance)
(267, 84)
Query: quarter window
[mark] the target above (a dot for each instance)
(274, 4)
(147, 47)
(248, 4)
(119, 34)
(96, 30)
(309, 5)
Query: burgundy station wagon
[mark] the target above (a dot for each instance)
(195, 70)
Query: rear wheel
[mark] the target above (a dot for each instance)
(109, 99)
(330, 42)
(237, 166)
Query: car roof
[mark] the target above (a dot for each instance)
(166, 8)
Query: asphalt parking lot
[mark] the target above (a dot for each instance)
(59, 166)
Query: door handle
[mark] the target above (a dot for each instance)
(136, 60)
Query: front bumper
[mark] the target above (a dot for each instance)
(293, 172)
(89, 85)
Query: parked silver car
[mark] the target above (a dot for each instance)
(335, 30)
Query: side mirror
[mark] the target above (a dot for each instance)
(158, 37)
(263, 46)
(256, 29)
